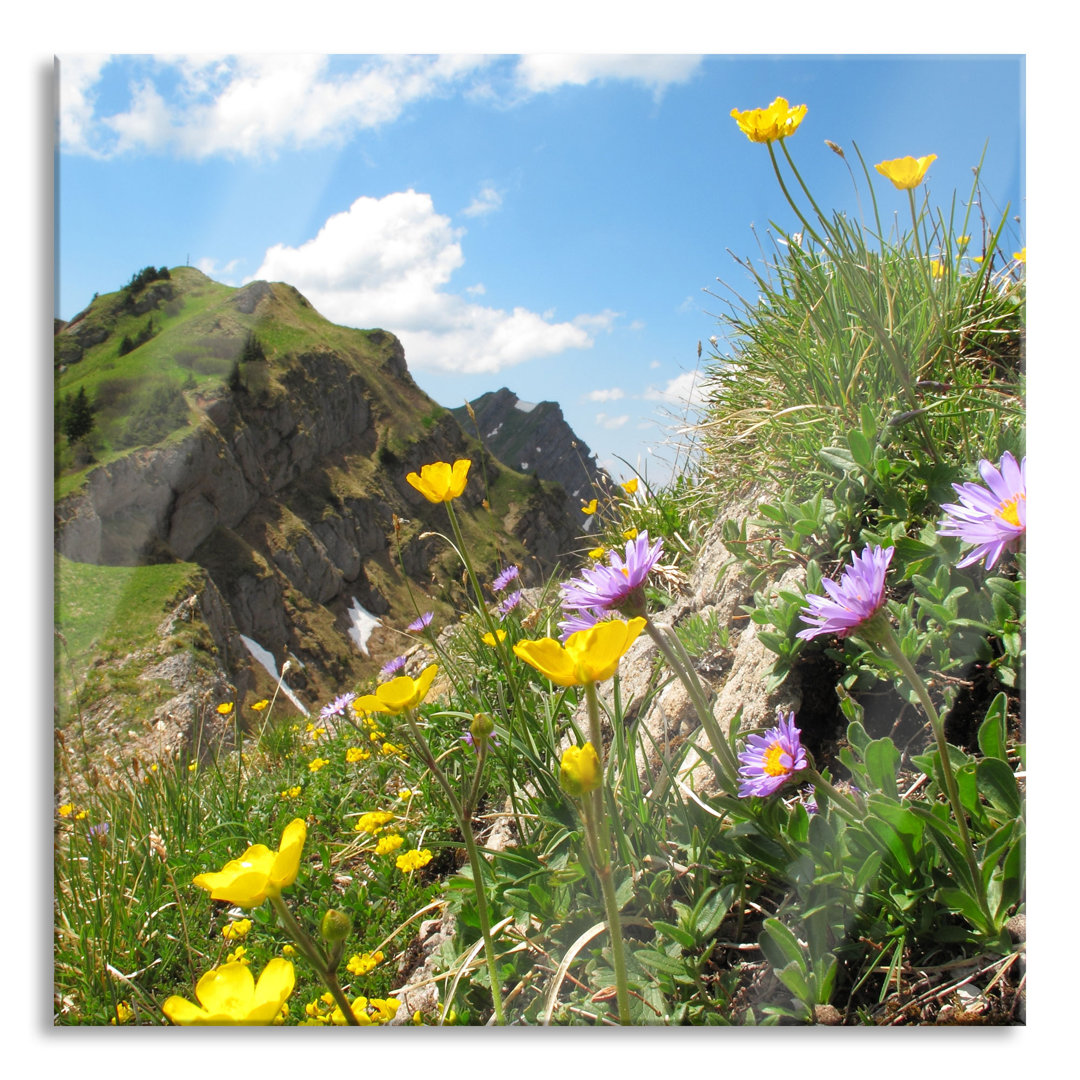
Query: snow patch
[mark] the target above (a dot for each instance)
(492, 434)
(525, 406)
(523, 466)
(266, 659)
(363, 622)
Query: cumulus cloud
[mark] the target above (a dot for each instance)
(78, 77)
(488, 201)
(541, 72)
(614, 394)
(685, 389)
(611, 422)
(385, 262)
(212, 269)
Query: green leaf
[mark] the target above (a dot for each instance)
(785, 945)
(992, 731)
(996, 782)
(793, 976)
(860, 448)
(882, 761)
(676, 933)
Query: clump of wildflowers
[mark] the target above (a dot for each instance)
(237, 930)
(387, 845)
(994, 520)
(852, 604)
(770, 760)
(361, 965)
(373, 822)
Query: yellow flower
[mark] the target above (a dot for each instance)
(906, 172)
(401, 693)
(405, 793)
(66, 810)
(355, 753)
(230, 995)
(937, 269)
(630, 486)
(387, 844)
(317, 763)
(630, 534)
(83, 814)
(390, 748)
(589, 507)
(440, 483)
(1021, 255)
(579, 771)
(597, 553)
(368, 1012)
(361, 965)
(288, 950)
(225, 708)
(236, 931)
(373, 821)
(588, 656)
(291, 793)
(237, 956)
(413, 860)
(767, 125)
(258, 706)
(193, 766)
(123, 1013)
(259, 872)
(489, 638)
(978, 258)
(962, 242)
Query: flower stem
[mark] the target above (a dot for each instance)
(315, 957)
(845, 805)
(596, 829)
(896, 652)
(728, 767)
(463, 814)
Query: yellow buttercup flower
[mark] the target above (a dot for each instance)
(767, 125)
(489, 638)
(588, 656)
(937, 269)
(579, 771)
(1021, 255)
(225, 708)
(259, 872)
(258, 706)
(399, 694)
(589, 507)
(441, 482)
(630, 487)
(906, 172)
(230, 995)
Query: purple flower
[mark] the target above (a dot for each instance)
(504, 578)
(580, 619)
(857, 599)
(510, 603)
(994, 521)
(770, 760)
(619, 587)
(392, 667)
(421, 623)
(99, 832)
(338, 706)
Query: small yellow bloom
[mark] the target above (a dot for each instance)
(288, 950)
(962, 242)
(225, 708)
(389, 843)
(282, 1014)
(937, 269)
(597, 553)
(389, 748)
(373, 821)
(906, 172)
(258, 706)
(978, 258)
(489, 638)
(237, 956)
(66, 810)
(405, 794)
(193, 766)
(413, 860)
(124, 1013)
(589, 507)
(236, 931)
(631, 485)
(230, 995)
(355, 754)
(291, 793)
(630, 534)
(767, 125)
(440, 483)
(83, 814)
(361, 965)
(1021, 255)
(317, 763)
(259, 872)
(401, 693)
(588, 656)
(579, 771)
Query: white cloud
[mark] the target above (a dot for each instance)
(611, 422)
(614, 394)
(488, 201)
(78, 76)
(385, 262)
(685, 389)
(638, 324)
(540, 72)
(211, 269)
(476, 290)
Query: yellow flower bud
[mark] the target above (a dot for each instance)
(579, 771)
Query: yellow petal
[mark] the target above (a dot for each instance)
(275, 985)
(287, 864)
(181, 1011)
(489, 637)
(579, 771)
(596, 652)
(550, 659)
(459, 478)
(227, 993)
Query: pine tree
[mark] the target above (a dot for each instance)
(79, 421)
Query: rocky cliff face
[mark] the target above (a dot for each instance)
(534, 438)
(287, 485)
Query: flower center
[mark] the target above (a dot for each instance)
(1007, 511)
(771, 760)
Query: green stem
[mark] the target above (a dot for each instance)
(845, 805)
(728, 770)
(888, 639)
(314, 956)
(463, 816)
(791, 202)
(597, 828)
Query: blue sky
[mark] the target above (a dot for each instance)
(550, 222)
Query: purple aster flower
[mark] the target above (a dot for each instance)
(100, 831)
(618, 587)
(994, 521)
(392, 667)
(857, 599)
(422, 623)
(580, 619)
(338, 706)
(510, 603)
(504, 578)
(770, 760)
